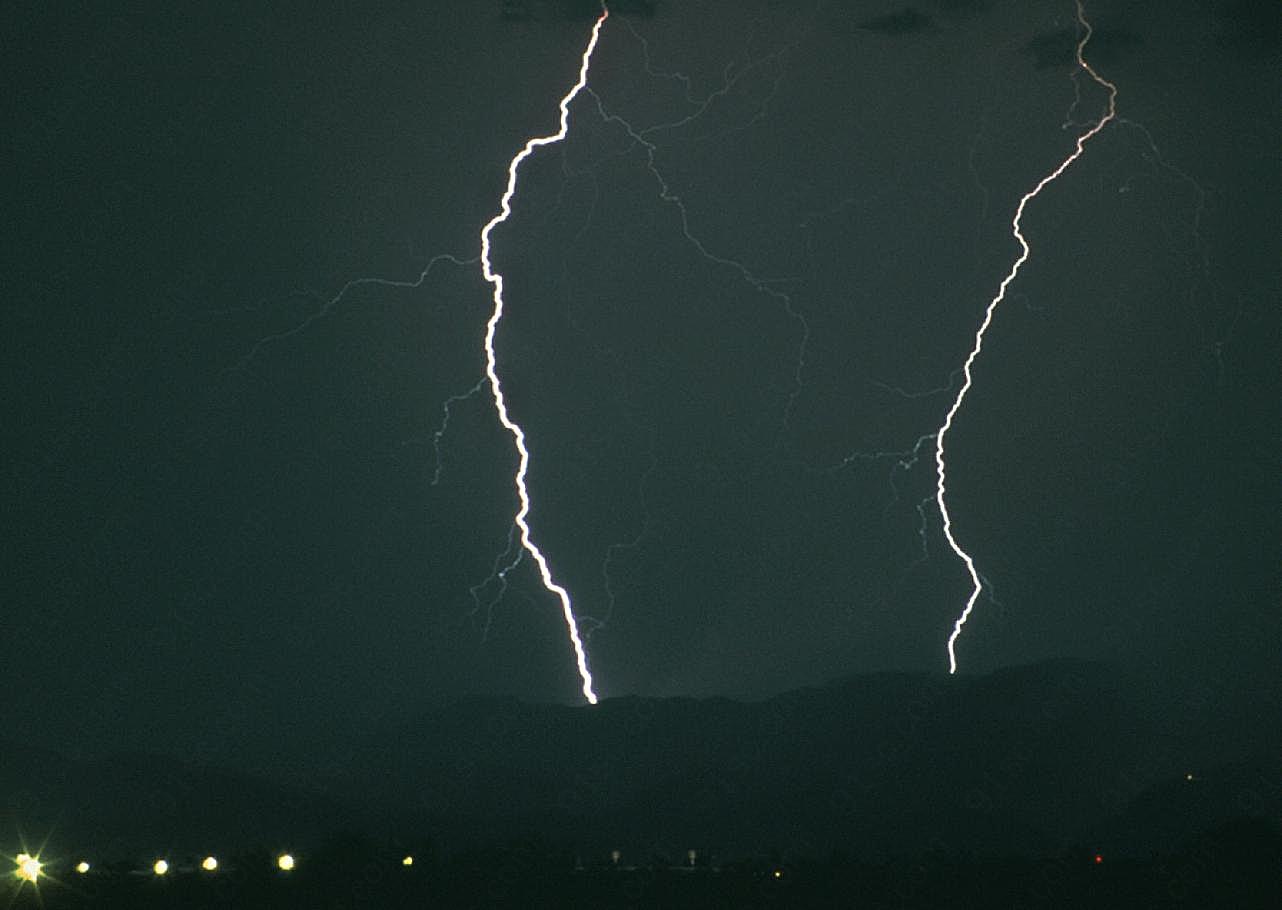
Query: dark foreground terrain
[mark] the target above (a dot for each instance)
(1053, 785)
(1238, 866)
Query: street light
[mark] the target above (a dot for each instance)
(28, 867)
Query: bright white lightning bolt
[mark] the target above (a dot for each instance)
(491, 367)
(976, 585)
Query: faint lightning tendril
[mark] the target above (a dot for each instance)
(760, 284)
(976, 583)
(443, 427)
(491, 367)
(333, 301)
(497, 574)
(618, 548)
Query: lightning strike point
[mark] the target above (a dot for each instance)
(1110, 114)
(491, 366)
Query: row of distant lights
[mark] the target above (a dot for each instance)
(30, 868)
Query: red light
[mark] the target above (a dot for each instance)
(1099, 858)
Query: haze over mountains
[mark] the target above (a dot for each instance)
(1032, 760)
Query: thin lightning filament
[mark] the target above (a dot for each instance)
(976, 584)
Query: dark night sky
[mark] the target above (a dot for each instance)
(221, 531)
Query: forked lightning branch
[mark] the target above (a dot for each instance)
(495, 279)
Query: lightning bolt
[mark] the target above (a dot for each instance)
(940, 471)
(491, 364)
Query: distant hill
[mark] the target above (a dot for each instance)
(1176, 814)
(1030, 760)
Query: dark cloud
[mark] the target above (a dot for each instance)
(962, 6)
(904, 22)
(645, 8)
(574, 10)
(1106, 46)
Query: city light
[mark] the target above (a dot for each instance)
(160, 867)
(209, 864)
(285, 862)
(28, 867)
(407, 861)
(82, 867)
